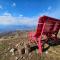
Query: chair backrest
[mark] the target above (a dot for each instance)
(47, 25)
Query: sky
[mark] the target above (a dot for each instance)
(26, 12)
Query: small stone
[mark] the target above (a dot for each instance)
(29, 54)
(12, 51)
(16, 58)
(23, 57)
(46, 52)
(17, 45)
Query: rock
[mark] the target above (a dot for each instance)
(27, 48)
(12, 51)
(23, 58)
(16, 58)
(17, 45)
(46, 52)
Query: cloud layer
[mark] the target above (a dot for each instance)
(8, 19)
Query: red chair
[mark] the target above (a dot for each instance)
(46, 26)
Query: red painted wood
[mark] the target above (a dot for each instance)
(48, 26)
(51, 26)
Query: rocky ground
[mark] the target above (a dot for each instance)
(13, 44)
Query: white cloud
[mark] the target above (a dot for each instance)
(14, 4)
(49, 8)
(20, 15)
(8, 19)
(1, 7)
(51, 12)
(6, 14)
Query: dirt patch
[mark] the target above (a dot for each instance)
(18, 42)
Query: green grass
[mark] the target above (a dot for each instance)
(3, 47)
